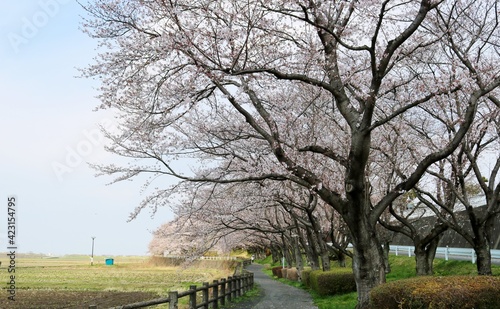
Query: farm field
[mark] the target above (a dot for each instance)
(71, 282)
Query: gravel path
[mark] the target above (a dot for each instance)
(274, 294)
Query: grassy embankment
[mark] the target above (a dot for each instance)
(71, 282)
(401, 268)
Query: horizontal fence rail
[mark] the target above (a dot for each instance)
(446, 252)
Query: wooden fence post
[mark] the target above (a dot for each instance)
(229, 288)
(173, 296)
(215, 292)
(205, 295)
(192, 297)
(223, 292)
(238, 286)
(246, 283)
(235, 286)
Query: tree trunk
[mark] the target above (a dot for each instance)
(482, 249)
(387, 249)
(483, 261)
(325, 254)
(312, 258)
(482, 234)
(323, 250)
(319, 242)
(423, 263)
(276, 254)
(298, 257)
(311, 250)
(339, 255)
(369, 270)
(288, 256)
(325, 260)
(424, 256)
(341, 259)
(368, 259)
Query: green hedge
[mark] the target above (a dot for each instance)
(449, 292)
(277, 271)
(333, 282)
(306, 278)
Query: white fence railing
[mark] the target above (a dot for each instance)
(446, 252)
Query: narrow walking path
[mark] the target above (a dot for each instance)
(274, 294)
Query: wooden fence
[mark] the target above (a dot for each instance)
(212, 295)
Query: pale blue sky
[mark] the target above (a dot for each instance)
(48, 132)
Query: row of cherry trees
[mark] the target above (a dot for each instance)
(279, 216)
(305, 117)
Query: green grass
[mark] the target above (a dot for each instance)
(254, 293)
(346, 301)
(402, 267)
(126, 275)
(69, 274)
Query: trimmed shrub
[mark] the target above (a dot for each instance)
(306, 273)
(450, 292)
(283, 272)
(333, 282)
(277, 271)
(292, 274)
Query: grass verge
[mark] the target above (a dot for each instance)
(249, 297)
(402, 267)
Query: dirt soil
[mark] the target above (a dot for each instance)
(57, 299)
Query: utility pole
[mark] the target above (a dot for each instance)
(92, 256)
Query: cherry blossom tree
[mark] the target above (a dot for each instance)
(318, 227)
(469, 41)
(272, 207)
(475, 149)
(406, 139)
(474, 186)
(452, 178)
(288, 90)
(200, 225)
(425, 238)
(191, 238)
(453, 174)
